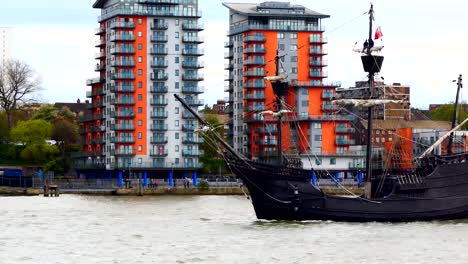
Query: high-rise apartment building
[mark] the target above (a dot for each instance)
(257, 32)
(148, 51)
(5, 45)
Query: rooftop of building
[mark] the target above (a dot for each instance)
(74, 107)
(273, 8)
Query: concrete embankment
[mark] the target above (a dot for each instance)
(9, 191)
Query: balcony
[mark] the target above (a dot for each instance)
(97, 80)
(160, 76)
(96, 104)
(100, 55)
(123, 127)
(261, 84)
(100, 67)
(187, 115)
(344, 142)
(116, 114)
(158, 51)
(228, 44)
(255, 96)
(228, 55)
(254, 50)
(254, 108)
(158, 127)
(159, 101)
(192, 26)
(193, 52)
(158, 153)
(269, 142)
(328, 107)
(191, 153)
(100, 30)
(122, 101)
(123, 140)
(100, 43)
(344, 130)
(158, 89)
(122, 152)
(254, 73)
(229, 66)
(327, 95)
(159, 26)
(192, 89)
(95, 129)
(195, 102)
(159, 38)
(188, 128)
(120, 50)
(318, 74)
(318, 40)
(192, 140)
(122, 37)
(255, 38)
(158, 140)
(192, 65)
(229, 88)
(318, 63)
(229, 77)
(256, 61)
(192, 39)
(122, 76)
(160, 114)
(122, 24)
(192, 77)
(123, 63)
(314, 50)
(159, 64)
(266, 130)
(114, 88)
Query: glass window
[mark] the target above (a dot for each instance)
(140, 84)
(176, 135)
(140, 110)
(140, 122)
(294, 35)
(140, 33)
(140, 135)
(280, 35)
(318, 161)
(318, 137)
(177, 123)
(177, 47)
(332, 161)
(176, 34)
(140, 46)
(140, 72)
(176, 59)
(293, 47)
(177, 85)
(176, 110)
(140, 147)
(140, 59)
(293, 58)
(140, 97)
(176, 148)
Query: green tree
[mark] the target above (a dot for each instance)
(445, 113)
(18, 85)
(46, 112)
(212, 161)
(32, 135)
(31, 132)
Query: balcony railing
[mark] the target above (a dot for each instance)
(159, 26)
(158, 89)
(159, 38)
(344, 142)
(122, 152)
(318, 40)
(191, 153)
(123, 63)
(188, 128)
(158, 127)
(192, 64)
(255, 38)
(255, 61)
(122, 76)
(158, 140)
(192, 89)
(123, 37)
(255, 96)
(315, 74)
(122, 24)
(195, 102)
(252, 73)
(318, 51)
(122, 88)
(344, 130)
(122, 114)
(159, 114)
(266, 130)
(159, 51)
(127, 101)
(192, 26)
(158, 153)
(254, 50)
(162, 76)
(318, 63)
(245, 27)
(123, 140)
(159, 101)
(255, 85)
(159, 64)
(192, 39)
(95, 81)
(123, 127)
(192, 77)
(193, 52)
(192, 140)
(269, 142)
(120, 50)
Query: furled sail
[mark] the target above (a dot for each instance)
(367, 102)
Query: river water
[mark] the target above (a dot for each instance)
(206, 229)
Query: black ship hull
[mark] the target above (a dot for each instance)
(279, 193)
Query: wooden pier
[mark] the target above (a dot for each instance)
(51, 190)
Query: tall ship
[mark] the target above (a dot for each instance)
(432, 187)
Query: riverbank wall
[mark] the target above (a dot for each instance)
(9, 191)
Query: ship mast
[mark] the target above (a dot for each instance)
(369, 112)
(455, 116)
(372, 64)
(280, 121)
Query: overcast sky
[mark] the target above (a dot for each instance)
(426, 43)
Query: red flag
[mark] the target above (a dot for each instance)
(378, 33)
